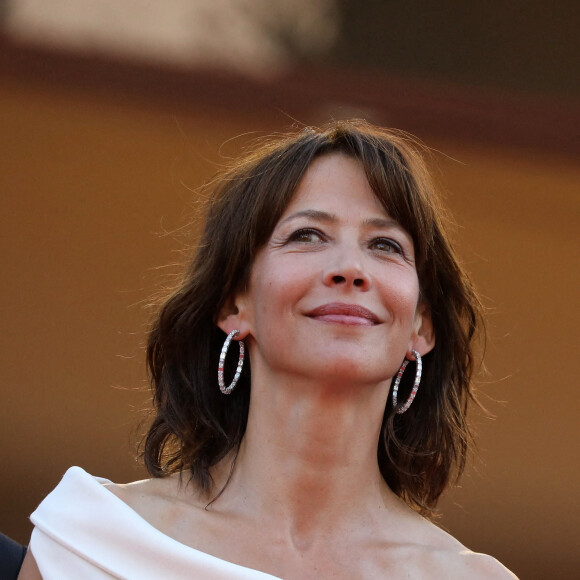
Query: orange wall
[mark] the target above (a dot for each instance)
(88, 185)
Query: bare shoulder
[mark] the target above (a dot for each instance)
(481, 566)
(453, 560)
(156, 500)
(443, 556)
(146, 488)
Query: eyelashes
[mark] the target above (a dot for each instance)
(307, 235)
(387, 245)
(381, 245)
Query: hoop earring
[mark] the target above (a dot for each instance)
(227, 390)
(407, 404)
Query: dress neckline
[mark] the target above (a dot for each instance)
(78, 475)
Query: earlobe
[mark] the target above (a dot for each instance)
(231, 318)
(424, 336)
(228, 323)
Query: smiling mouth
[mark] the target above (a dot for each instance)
(348, 314)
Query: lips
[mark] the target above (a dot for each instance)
(350, 314)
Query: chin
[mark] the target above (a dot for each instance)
(351, 370)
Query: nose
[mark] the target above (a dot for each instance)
(346, 269)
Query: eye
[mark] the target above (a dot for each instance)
(306, 236)
(386, 245)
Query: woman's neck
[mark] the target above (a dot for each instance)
(309, 455)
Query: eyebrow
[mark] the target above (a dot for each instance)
(383, 223)
(315, 214)
(322, 216)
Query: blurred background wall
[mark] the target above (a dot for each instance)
(113, 112)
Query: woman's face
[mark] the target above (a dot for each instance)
(334, 293)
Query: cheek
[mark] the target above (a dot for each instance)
(401, 293)
(285, 280)
(277, 292)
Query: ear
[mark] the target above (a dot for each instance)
(423, 339)
(232, 317)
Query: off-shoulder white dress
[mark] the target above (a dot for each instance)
(82, 530)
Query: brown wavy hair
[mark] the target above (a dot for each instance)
(419, 452)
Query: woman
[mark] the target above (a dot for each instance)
(324, 253)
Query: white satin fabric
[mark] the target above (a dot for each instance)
(82, 530)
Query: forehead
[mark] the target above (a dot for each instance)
(335, 181)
